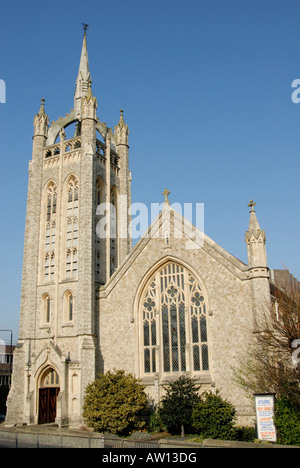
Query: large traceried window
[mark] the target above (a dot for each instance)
(174, 323)
(72, 228)
(50, 232)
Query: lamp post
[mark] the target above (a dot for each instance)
(10, 359)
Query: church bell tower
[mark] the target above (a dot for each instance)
(76, 235)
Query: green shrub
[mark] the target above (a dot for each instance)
(155, 424)
(176, 406)
(287, 422)
(245, 433)
(214, 417)
(115, 402)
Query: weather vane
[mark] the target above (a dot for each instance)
(85, 27)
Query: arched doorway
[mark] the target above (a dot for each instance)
(48, 391)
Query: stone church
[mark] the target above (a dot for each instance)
(92, 303)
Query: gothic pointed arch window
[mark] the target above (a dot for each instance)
(100, 238)
(68, 307)
(174, 323)
(50, 232)
(46, 309)
(114, 229)
(72, 211)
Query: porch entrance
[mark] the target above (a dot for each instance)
(48, 391)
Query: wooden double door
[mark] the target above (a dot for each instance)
(47, 404)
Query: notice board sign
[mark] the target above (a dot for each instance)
(264, 405)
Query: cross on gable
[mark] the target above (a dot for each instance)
(166, 194)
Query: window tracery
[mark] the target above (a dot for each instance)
(114, 229)
(99, 241)
(49, 378)
(72, 228)
(50, 233)
(174, 323)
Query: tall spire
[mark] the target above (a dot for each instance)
(84, 76)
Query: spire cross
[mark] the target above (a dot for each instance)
(85, 27)
(166, 194)
(251, 204)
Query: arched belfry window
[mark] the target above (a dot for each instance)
(174, 323)
(114, 229)
(72, 227)
(50, 232)
(100, 201)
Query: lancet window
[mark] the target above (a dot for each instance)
(72, 228)
(113, 229)
(100, 236)
(46, 309)
(50, 232)
(69, 306)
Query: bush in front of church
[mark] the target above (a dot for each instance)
(115, 402)
(176, 406)
(214, 417)
(287, 420)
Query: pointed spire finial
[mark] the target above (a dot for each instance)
(42, 109)
(166, 194)
(121, 116)
(83, 74)
(85, 27)
(253, 223)
(252, 205)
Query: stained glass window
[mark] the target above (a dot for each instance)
(174, 322)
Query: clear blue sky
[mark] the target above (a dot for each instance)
(206, 90)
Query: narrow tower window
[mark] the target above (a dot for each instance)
(113, 230)
(68, 306)
(46, 309)
(50, 233)
(100, 211)
(72, 227)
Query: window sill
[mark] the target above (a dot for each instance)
(202, 377)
